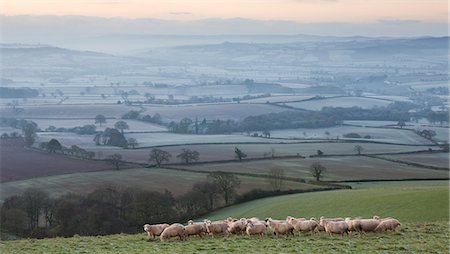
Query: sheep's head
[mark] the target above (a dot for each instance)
(190, 222)
(146, 227)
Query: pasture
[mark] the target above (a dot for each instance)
(19, 163)
(420, 206)
(433, 159)
(412, 202)
(390, 135)
(343, 168)
(154, 179)
(411, 238)
(345, 102)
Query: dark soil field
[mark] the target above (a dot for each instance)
(18, 162)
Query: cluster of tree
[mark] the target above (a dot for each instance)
(111, 209)
(135, 114)
(355, 135)
(29, 128)
(111, 137)
(22, 92)
(394, 112)
(158, 156)
(88, 129)
(289, 120)
(429, 134)
(54, 146)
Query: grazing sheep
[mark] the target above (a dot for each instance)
(154, 230)
(366, 225)
(388, 224)
(173, 231)
(236, 227)
(216, 227)
(351, 224)
(302, 225)
(335, 227)
(280, 227)
(195, 228)
(255, 228)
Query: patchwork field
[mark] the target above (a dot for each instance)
(337, 168)
(345, 102)
(70, 111)
(226, 151)
(135, 126)
(19, 163)
(376, 134)
(233, 111)
(156, 179)
(433, 159)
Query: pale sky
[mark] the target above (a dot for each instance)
(295, 10)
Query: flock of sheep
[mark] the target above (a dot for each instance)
(255, 226)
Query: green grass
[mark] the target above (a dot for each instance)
(413, 202)
(411, 238)
(422, 207)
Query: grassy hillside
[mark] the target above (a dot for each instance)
(411, 238)
(409, 202)
(422, 208)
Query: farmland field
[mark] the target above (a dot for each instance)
(376, 134)
(20, 163)
(233, 111)
(69, 111)
(214, 152)
(337, 168)
(155, 179)
(345, 102)
(280, 98)
(135, 126)
(433, 159)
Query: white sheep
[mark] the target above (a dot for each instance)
(154, 230)
(173, 230)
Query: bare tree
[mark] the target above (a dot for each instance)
(276, 178)
(121, 125)
(358, 149)
(187, 156)
(226, 182)
(132, 142)
(116, 160)
(239, 154)
(159, 156)
(317, 170)
(100, 119)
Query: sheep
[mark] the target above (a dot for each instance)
(238, 226)
(335, 227)
(154, 230)
(173, 231)
(366, 225)
(280, 227)
(255, 228)
(351, 224)
(216, 227)
(388, 224)
(195, 228)
(302, 225)
(289, 219)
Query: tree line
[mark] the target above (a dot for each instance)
(111, 209)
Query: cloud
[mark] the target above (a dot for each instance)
(180, 13)
(398, 21)
(315, 1)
